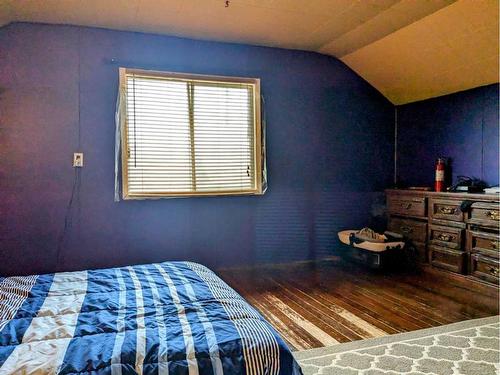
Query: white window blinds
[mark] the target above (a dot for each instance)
(190, 135)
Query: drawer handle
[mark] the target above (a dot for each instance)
(495, 245)
(406, 206)
(445, 237)
(494, 215)
(447, 210)
(494, 271)
(406, 229)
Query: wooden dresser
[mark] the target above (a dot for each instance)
(463, 242)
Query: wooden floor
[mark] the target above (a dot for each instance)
(313, 305)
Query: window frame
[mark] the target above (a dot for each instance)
(257, 141)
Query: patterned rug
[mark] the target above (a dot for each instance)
(465, 348)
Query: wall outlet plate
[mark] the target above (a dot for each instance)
(78, 159)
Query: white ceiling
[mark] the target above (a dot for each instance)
(408, 49)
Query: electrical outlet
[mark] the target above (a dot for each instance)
(78, 159)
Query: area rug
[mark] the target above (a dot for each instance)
(465, 348)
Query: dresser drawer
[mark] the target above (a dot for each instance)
(484, 268)
(412, 229)
(449, 259)
(444, 209)
(406, 205)
(487, 244)
(445, 236)
(486, 214)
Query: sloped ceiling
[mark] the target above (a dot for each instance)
(408, 49)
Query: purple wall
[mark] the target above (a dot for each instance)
(329, 141)
(462, 126)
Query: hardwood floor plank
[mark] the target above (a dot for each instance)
(392, 294)
(399, 320)
(319, 319)
(318, 304)
(358, 327)
(294, 334)
(430, 299)
(331, 298)
(317, 332)
(294, 340)
(268, 290)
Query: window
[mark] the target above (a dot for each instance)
(188, 135)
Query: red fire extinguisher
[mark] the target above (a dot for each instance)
(440, 168)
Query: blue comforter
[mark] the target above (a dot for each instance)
(167, 318)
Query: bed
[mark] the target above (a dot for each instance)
(167, 318)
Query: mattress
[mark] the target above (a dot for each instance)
(166, 318)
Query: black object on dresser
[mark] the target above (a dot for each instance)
(458, 232)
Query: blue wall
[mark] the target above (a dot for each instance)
(329, 142)
(462, 126)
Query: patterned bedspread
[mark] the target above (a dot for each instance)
(167, 318)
